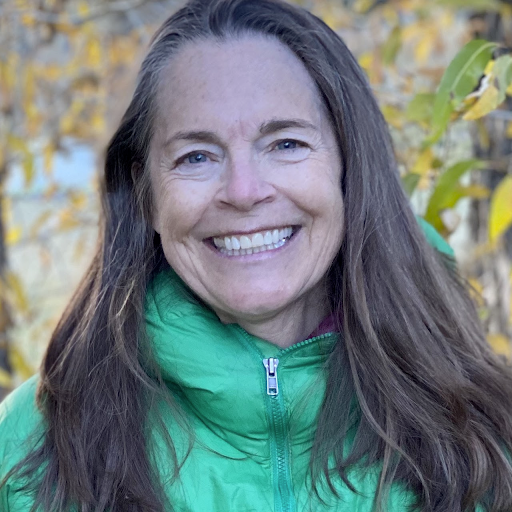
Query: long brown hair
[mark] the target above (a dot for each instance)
(434, 404)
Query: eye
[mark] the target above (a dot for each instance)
(287, 144)
(193, 158)
(290, 145)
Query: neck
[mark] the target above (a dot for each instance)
(292, 324)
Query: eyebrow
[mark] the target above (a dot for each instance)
(201, 135)
(266, 128)
(276, 125)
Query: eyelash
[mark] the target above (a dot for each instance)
(183, 158)
(299, 143)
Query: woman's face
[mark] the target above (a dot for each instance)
(245, 174)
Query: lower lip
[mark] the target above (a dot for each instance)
(259, 255)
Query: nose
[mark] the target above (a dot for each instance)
(245, 184)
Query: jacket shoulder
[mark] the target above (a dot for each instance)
(21, 427)
(20, 420)
(434, 238)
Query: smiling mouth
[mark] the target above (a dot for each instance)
(253, 243)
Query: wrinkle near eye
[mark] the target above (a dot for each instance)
(166, 163)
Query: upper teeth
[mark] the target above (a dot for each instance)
(254, 240)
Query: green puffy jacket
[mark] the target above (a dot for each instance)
(252, 407)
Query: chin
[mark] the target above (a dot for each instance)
(251, 307)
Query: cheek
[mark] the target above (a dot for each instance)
(328, 192)
(323, 200)
(179, 206)
(166, 205)
(316, 188)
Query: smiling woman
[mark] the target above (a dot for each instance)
(225, 168)
(266, 326)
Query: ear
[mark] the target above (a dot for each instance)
(135, 172)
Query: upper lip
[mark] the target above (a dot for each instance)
(251, 231)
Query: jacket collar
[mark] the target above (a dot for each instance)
(217, 372)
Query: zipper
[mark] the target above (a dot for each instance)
(280, 451)
(271, 366)
(279, 442)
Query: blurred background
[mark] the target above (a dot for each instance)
(67, 71)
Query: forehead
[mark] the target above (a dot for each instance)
(241, 81)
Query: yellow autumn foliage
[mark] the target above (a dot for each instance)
(402, 47)
(485, 104)
(500, 217)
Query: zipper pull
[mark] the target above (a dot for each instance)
(271, 366)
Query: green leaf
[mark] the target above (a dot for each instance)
(460, 79)
(392, 46)
(475, 191)
(502, 70)
(420, 107)
(410, 182)
(487, 5)
(448, 191)
(500, 217)
(459, 192)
